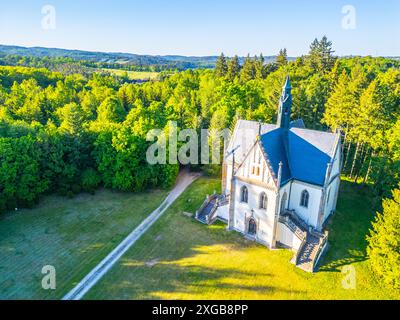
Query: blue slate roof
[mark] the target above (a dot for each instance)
(245, 135)
(299, 123)
(273, 145)
(304, 153)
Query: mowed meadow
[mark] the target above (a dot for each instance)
(179, 258)
(72, 235)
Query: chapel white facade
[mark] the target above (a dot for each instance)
(280, 184)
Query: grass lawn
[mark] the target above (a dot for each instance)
(179, 258)
(134, 75)
(73, 235)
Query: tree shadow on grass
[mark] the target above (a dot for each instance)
(195, 282)
(349, 227)
(197, 262)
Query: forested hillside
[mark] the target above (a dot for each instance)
(68, 133)
(50, 57)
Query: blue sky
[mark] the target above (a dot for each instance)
(204, 27)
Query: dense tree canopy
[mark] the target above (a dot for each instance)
(81, 131)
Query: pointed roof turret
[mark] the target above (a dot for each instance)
(285, 105)
(287, 85)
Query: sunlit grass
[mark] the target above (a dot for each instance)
(73, 235)
(134, 75)
(179, 258)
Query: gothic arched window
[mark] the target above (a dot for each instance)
(244, 194)
(305, 197)
(263, 201)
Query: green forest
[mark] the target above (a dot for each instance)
(55, 59)
(71, 132)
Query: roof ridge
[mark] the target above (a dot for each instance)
(313, 130)
(285, 137)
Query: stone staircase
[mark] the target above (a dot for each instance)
(313, 243)
(204, 214)
(207, 212)
(308, 254)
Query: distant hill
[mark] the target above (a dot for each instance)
(173, 61)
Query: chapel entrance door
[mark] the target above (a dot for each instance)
(252, 229)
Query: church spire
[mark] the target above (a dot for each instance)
(285, 105)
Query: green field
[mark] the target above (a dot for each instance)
(134, 75)
(73, 235)
(180, 258)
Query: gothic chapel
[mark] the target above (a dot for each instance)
(280, 184)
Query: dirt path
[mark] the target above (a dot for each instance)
(184, 180)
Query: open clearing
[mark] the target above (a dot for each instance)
(134, 75)
(179, 258)
(73, 235)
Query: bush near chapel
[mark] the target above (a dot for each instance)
(384, 242)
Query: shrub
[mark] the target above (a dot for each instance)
(90, 180)
(384, 242)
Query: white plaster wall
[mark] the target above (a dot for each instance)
(333, 188)
(310, 214)
(228, 178)
(283, 189)
(264, 218)
(256, 159)
(287, 237)
(223, 212)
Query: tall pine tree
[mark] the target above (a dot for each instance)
(233, 68)
(281, 58)
(221, 67)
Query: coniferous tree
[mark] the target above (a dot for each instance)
(281, 59)
(71, 117)
(384, 245)
(221, 66)
(233, 68)
(249, 70)
(320, 57)
(260, 67)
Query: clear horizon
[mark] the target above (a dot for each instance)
(204, 28)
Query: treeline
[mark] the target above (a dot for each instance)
(68, 134)
(81, 64)
(69, 66)
(71, 133)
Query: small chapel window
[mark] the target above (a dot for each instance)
(263, 201)
(305, 196)
(255, 170)
(244, 195)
